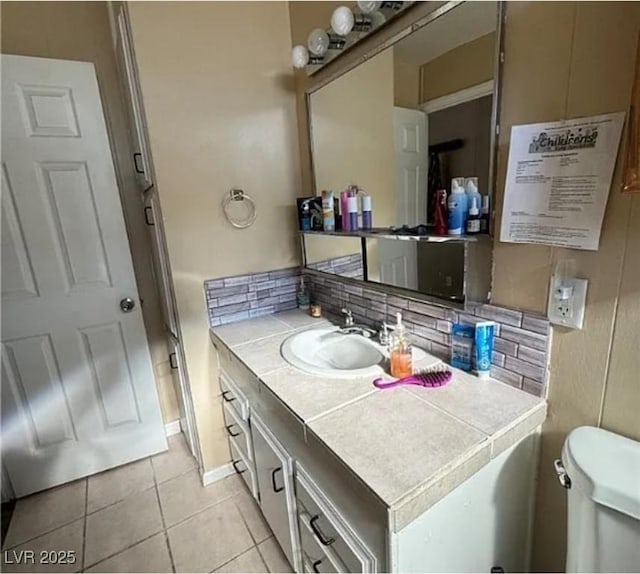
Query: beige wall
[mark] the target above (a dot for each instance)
(352, 127)
(593, 377)
(220, 102)
(460, 68)
(594, 372)
(80, 31)
(322, 247)
(406, 84)
(304, 17)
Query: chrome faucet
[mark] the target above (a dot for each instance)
(348, 320)
(350, 328)
(383, 333)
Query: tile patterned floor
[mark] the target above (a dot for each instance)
(152, 515)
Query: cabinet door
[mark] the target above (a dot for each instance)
(126, 59)
(160, 259)
(274, 468)
(180, 385)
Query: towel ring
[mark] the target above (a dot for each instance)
(239, 195)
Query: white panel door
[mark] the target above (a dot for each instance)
(412, 163)
(78, 393)
(398, 260)
(398, 263)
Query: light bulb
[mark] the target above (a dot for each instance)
(377, 19)
(342, 21)
(369, 6)
(300, 56)
(318, 42)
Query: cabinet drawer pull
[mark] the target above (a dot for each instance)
(226, 398)
(135, 163)
(273, 480)
(315, 565)
(235, 466)
(319, 535)
(228, 427)
(149, 221)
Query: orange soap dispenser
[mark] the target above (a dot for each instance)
(400, 351)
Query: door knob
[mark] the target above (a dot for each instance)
(127, 304)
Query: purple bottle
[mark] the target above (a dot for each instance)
(353, 212)
(367, 213)
(344, 210)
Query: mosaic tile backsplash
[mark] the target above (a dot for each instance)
(522, 340)
(232, 299)
(345, 266)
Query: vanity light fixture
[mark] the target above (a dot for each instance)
(300, 57)
(370, 6)
(343, 21)
(319, 42)
(348, 27)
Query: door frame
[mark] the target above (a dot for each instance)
(459, 97)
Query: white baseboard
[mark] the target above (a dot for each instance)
(216, 474)
(172, 428)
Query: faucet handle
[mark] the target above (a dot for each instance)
(348, 320)
(383, 333)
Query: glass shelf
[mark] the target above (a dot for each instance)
(386, 233)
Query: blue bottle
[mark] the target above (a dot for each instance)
(456, 205)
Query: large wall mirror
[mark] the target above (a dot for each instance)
(400, 125)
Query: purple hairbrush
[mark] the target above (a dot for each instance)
(423, 379)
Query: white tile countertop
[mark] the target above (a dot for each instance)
(460, 426)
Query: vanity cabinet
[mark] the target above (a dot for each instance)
(326, 519)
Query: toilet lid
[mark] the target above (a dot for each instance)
(604, 466)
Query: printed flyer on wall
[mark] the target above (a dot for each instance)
(558, 181)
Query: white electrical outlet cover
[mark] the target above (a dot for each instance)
(568, 312)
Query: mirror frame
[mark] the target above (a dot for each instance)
(632, 161)
(415, 18)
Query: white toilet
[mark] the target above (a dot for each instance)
(601, 471)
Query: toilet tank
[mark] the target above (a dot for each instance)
(603, 486)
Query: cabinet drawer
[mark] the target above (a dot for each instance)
(316, 558)
(328, 528)
(233, 396)
(245, 469)
(237, 431)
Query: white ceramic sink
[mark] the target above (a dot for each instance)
(329, 353)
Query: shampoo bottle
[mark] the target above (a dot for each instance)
(473, 221)
(344, 209)
(353, 211)
(471, 190)
(456, 204)
(441, 212)
(484, 215)
(367, 213)
(328, 215)
(400, 352)
(302, 296)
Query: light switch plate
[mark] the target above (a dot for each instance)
(567, 299)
